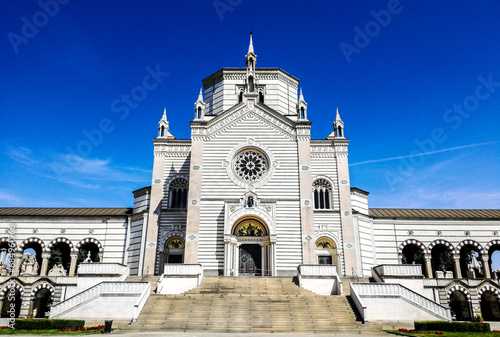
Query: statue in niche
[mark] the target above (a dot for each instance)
(250, 201)
(473, 263)
(88, 259)
(57, 270)
(29, 265)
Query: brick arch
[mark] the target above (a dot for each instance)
(491, 244)
(30, 240)
(469, 242)
(90, 240)
(412, 242)
(169, 235)
(459, 288)
(7, 240)
(7, 288)
(445, 243)
(488, 287)
(42, 285)
(59, 240)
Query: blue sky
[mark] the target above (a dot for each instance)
(417, 84)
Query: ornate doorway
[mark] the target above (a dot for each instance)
(249, 251)
(250, 263)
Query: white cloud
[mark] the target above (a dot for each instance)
(421, 154)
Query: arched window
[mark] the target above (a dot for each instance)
(322, 191)
(261, 97)
(199, 113)
(240, 97)
(178, 193)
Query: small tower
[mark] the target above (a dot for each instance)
(301, 107)
(199, 107)
(338, 128)
(251, 61)
(163, 125)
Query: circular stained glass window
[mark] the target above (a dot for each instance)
(250, 165)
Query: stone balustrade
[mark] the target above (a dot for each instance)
(115, 289)
(399, 270)
(179, 278)
(182, 269)
(103, 269)
(321, 279)
(381, 291)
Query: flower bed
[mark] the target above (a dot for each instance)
(97, 327)
(425, 332)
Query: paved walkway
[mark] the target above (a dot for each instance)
(209, 334)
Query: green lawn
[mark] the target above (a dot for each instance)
(448, 334)
(46, 332)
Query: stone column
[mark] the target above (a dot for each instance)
(486, 266)
(30, 310)
(305, 188)
(227, 258)
(457, 273)
(428, 266)
(194, 196)
(350, 248)
(72, 266)
(17, 263)
(45, 264)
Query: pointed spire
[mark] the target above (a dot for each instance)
(337, 116)
(200, 96)
(250, 47)
(301, 97)
(163, 126)
(164, 117)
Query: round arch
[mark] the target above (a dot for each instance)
(489, 300)
(249, 245)
(6, 240)
(90, 240)
(32, 240)
(411, 242)
(469, 242)
(6, 288)
(250, 226)
(15, 292)
(465, 259)
(61, 240)
(327, 251)
(441, 252)
(42, 296)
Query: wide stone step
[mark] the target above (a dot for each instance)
(248, 305)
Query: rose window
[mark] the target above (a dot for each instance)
(250, 165)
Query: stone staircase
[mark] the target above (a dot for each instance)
(152, 279)
(251, 305)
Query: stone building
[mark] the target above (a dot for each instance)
(251, 193)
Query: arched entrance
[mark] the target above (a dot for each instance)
(326, 251)
(173, 252)
(413, 254)
(12, 299)
(490, 307)
(248, 249)
(459, 306)
(42, 303)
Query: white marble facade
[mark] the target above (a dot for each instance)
(250, 193)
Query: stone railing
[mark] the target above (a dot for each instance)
(179, 278)
(432, 282)
(320, 278)
(317, 270)
(182, 269)
(65, 280)
(384, 290)
(399, 270)
(115, 289)
(103, 269)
